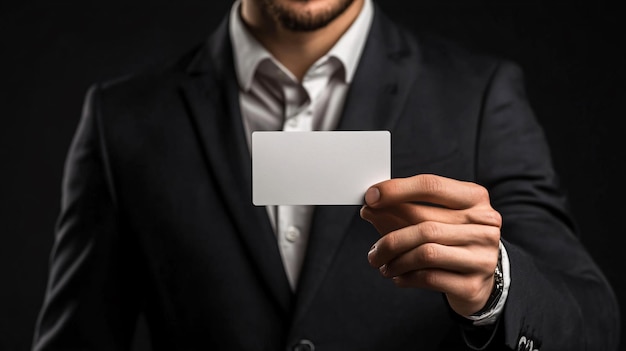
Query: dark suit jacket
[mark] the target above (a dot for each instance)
(157, 215)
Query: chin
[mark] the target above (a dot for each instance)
(307, 15)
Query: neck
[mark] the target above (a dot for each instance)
(296, 50)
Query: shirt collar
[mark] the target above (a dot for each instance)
(249, 53)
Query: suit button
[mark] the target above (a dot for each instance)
(292, 234)
(304, 345)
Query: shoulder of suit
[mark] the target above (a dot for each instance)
(446, 54)
(151, 80)
(439, 52)
(434, 51)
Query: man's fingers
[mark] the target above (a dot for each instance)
(450, 258)
(404, 214)
(426, 188)
(408, 238)
(441, 234)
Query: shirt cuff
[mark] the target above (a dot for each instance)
(490, 317)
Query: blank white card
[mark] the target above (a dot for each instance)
(318, 168)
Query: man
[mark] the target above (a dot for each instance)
(472, 231)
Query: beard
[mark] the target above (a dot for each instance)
(304, 21)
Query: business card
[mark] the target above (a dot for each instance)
(318, 168)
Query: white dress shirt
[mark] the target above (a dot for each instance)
(272, 98)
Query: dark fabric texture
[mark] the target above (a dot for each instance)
(157, 215)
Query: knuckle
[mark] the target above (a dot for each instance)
(430, 183)
(393, 186)
(487, 216)
(495, 217)
(479, 193)
(392, 241)
(427, 254)
(428, 231)
(492, 235)
(488, 263)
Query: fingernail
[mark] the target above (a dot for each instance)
(383, 269)
(372, 195)
(371, 253)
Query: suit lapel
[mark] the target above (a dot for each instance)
(377, 95)
(212, 95)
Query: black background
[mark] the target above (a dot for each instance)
(573, 55)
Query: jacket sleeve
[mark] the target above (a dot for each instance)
(91, 297)
(558, 297)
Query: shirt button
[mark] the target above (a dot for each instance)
(292, 234)
(304, 345)
(293, 122)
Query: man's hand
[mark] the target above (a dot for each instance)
(437, 233)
